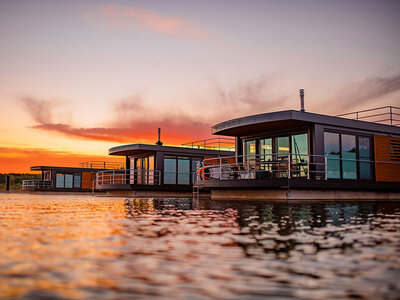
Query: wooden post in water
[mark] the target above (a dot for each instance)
(7, 183)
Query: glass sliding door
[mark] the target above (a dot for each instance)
(266, 154)
(300, 155)
(170, 170)
(364, 153)
(249, 150)
(332, 152)
(282, 150)
(349, 162)
(183, 170)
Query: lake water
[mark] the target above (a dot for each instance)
(83, 247)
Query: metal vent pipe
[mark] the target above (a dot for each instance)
(302, 99)
(159, 137)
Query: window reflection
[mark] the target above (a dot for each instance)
(332, 151)
(349, 164)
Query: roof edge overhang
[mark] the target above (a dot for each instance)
(251, 123)
(136, 149)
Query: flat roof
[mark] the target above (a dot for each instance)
(136, 149)
(293, 118)
(70, 169)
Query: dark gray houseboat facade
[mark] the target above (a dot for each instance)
(299, 153)
(157, 169)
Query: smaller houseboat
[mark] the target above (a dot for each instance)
(68, 179)
(301, 155)
(153, 170)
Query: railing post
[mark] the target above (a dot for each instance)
(356, 115)
(326, 167)
(391, 119)
(308, 166)
(289, 166)
(220, 167)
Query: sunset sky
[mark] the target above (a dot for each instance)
(79, 77)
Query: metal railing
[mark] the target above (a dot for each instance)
(101, 165)
(388, 115)
(128, 176)
(279, 165)
(264, 166)
(222, 143)
(36, 184)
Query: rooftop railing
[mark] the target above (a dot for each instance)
(388, 115)
(221, 143)
(101, 165)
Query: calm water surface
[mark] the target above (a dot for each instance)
(82, 247)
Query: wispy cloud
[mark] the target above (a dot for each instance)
(129, 123)
(364, 92)
(128, 17)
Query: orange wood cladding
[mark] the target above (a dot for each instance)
(382, 149)
(87, 179)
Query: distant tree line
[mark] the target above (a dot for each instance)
(16, 179)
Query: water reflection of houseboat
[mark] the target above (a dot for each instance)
(300, 155)
(153, 170)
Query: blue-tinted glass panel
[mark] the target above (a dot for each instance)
(183, 170)
(69, 178)
(60, 181)
(364, 151)
(77, 181)
(300, 155)
(349, 163)
(331, 145)
(169, 170)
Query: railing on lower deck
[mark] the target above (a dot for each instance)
(287, 165)
(264, 166)
(36, 184)
(128, 176)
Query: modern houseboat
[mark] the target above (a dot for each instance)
(301, 155)
(68, 179)
(153, 170)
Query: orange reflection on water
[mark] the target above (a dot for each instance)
(52, 242)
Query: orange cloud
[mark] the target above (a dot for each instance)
(128, 125)
(19, 160)
(150, 20)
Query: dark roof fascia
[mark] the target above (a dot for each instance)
(48, 168)
(140, 148)
(307, 117)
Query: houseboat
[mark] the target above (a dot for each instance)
(301, 155)
(68, 179)
(153, 170)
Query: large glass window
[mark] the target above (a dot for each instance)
(151, 170)
(60, 181)
(364, 152)
(77, 181)
(69, 179)
(332, 152)
(169, 170)
(282, 150)
(249, 150)
(300, 155)
(183, 170)
(266, 153)
(349, 163)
